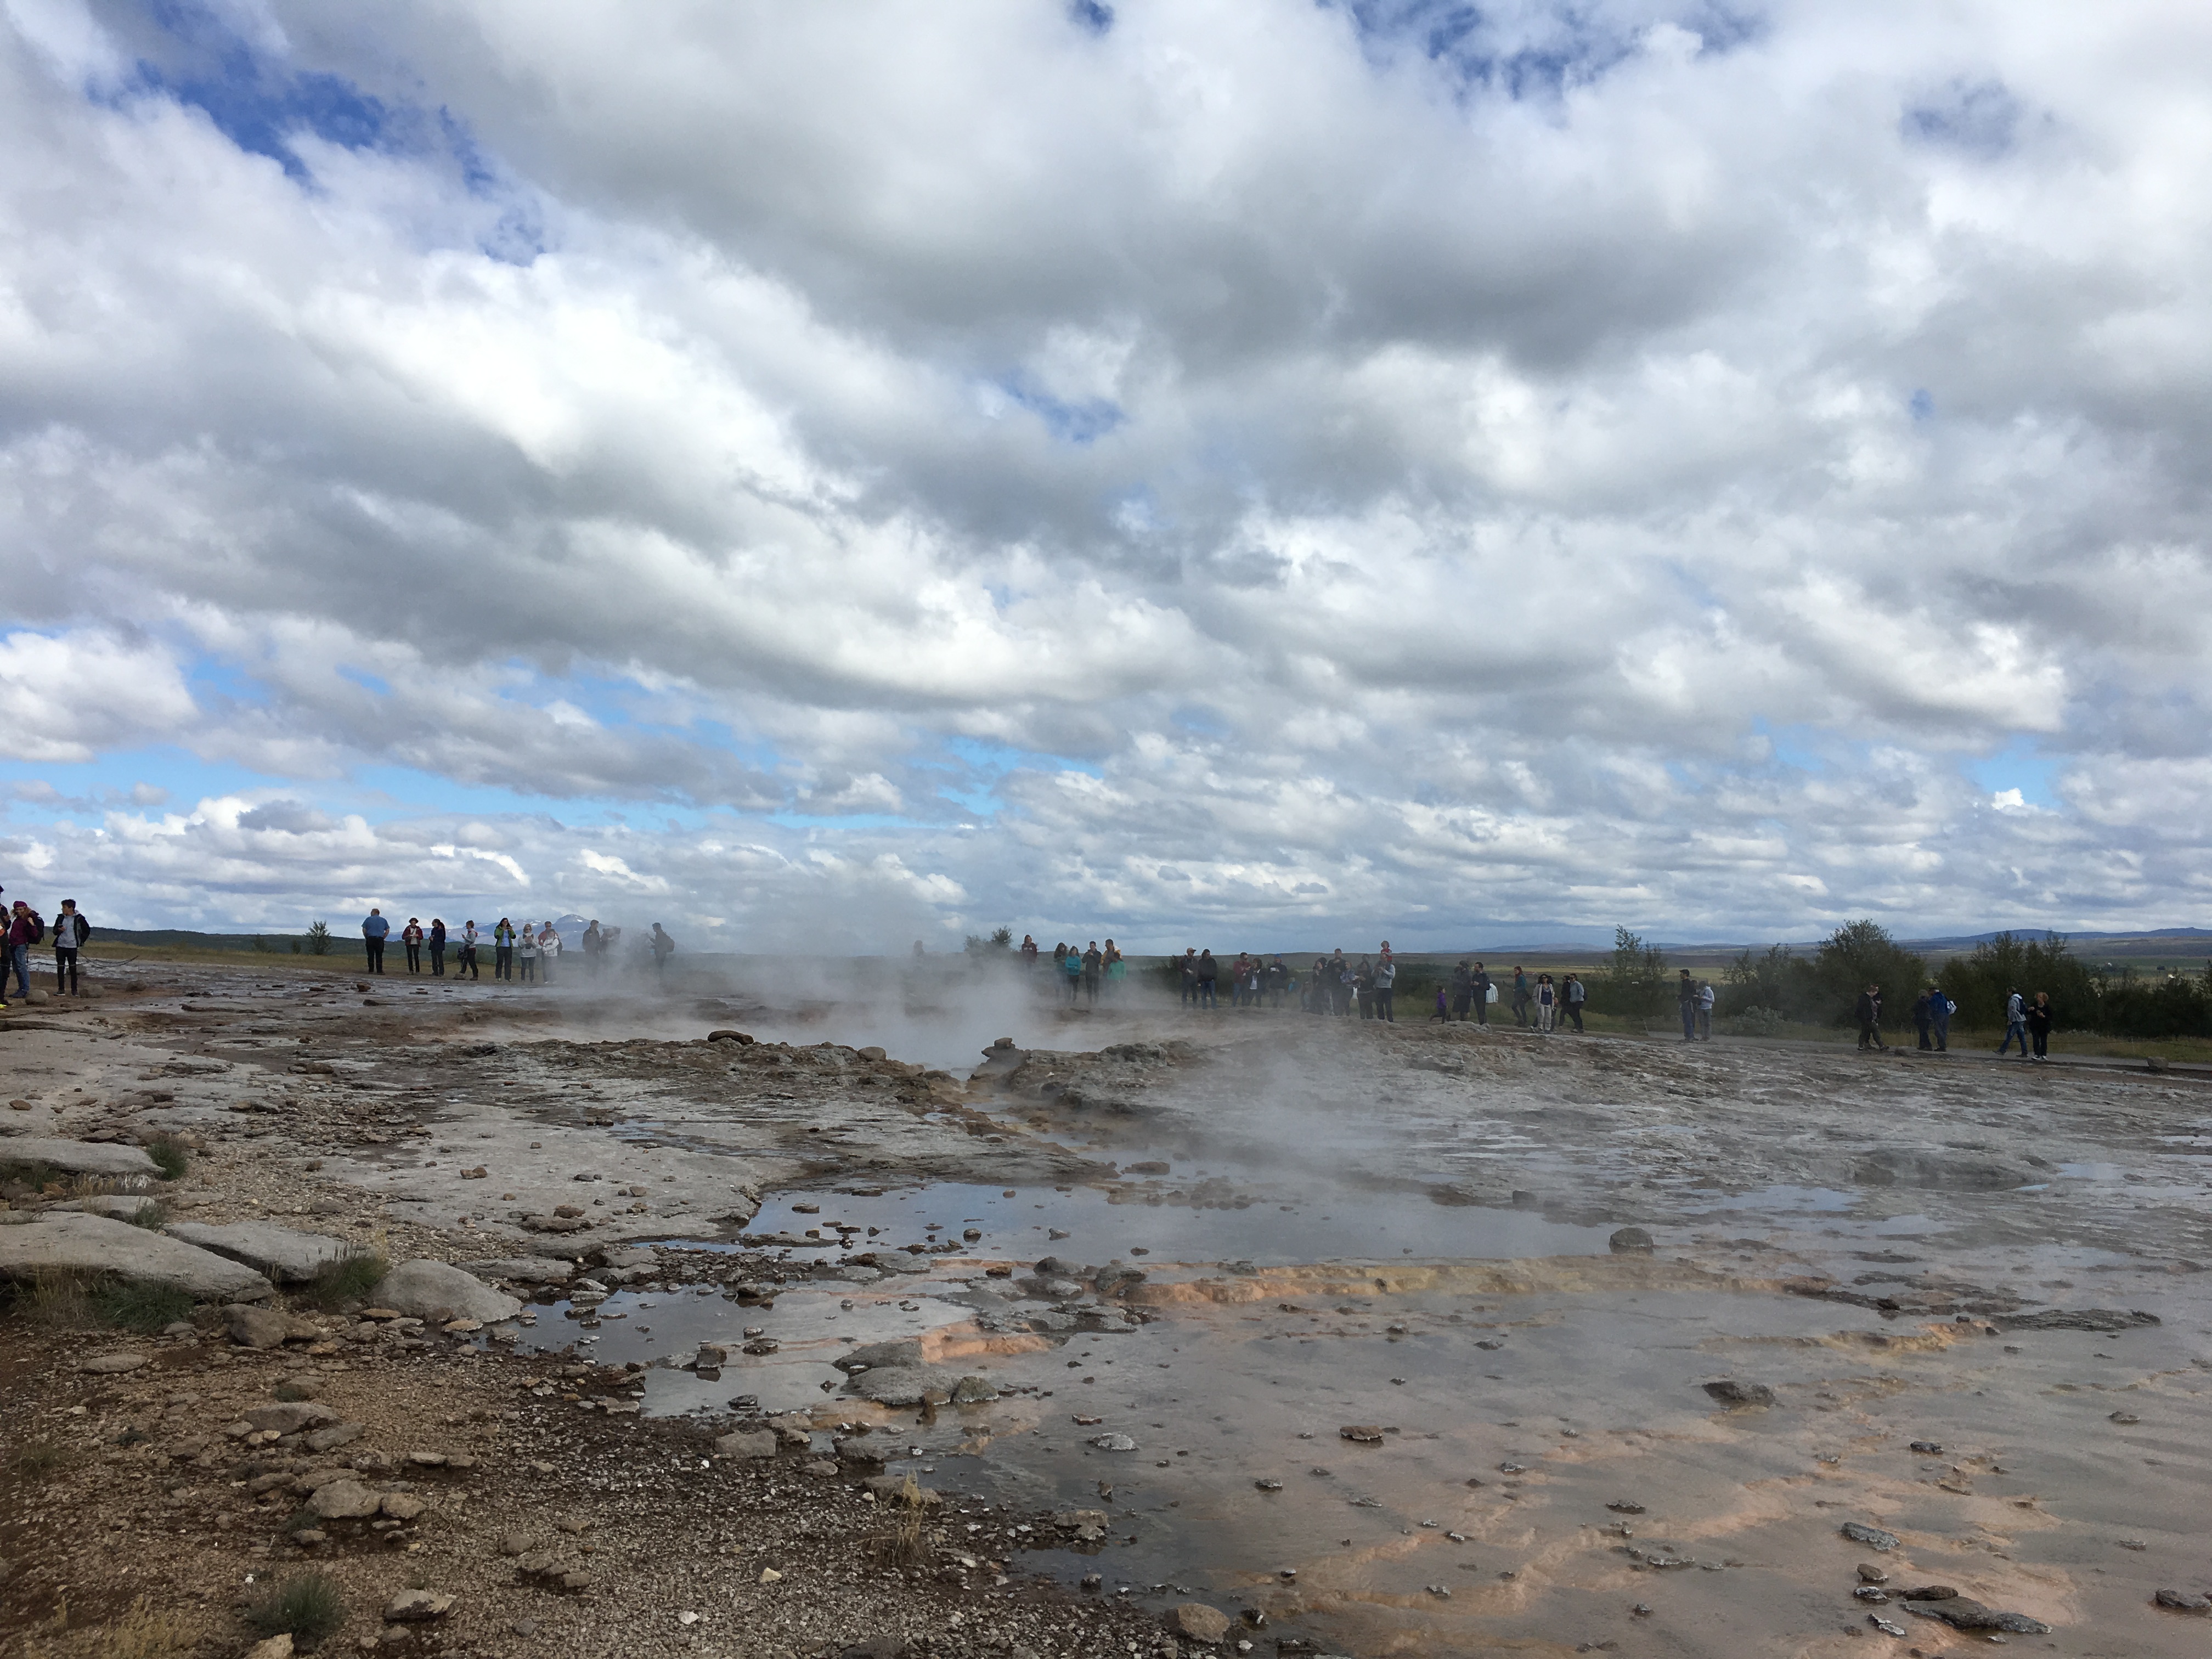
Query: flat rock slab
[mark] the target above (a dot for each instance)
(124, 1208)
(424, 1289)
(264, 1246)
(86, 1157)
(75, 1243)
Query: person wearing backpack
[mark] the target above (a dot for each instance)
(1939, 1010)
(70, 932)
(25, 929)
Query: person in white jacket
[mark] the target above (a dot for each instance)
(549, 950)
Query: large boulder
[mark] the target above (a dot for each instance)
(431, 1290)
(293, 1258)
(84, 1157)
(72, 1242)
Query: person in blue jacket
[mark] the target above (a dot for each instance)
(374, 928)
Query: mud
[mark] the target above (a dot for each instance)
(1262, 1231)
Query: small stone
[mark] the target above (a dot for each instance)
(750, 1443)
(278, 1646)
(403, 1506)
(1194, 1621)
(1731, 1393)
(1872, 1537)
(514, 1543)
(1367, 1434)
(1870, 1574)
(112, 1364)
(1884, 1626)
(1626, 1506)
(417, 1606)
(2182, 1601)
(769, 1575)
(1114, 1443)
(344, 1500)
(1629, 1238)
(2125, 1418)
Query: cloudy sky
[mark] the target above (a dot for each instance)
(1235, 473)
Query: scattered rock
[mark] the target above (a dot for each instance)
(727, 1034)
(112, 1364)
(1870, 1574)
(96, 1244)
(291, 1257)
(1629, 1238)
(1194, 1621)
(417, 1606)
(1964, 1613)
(1367, 1434)
(426, 1289)
(344, 1500)
(2076, 1319)
(87, 1158)
(338, 1434)
(1732, 1394)
(1872, 1537)
(2182, 1601)
(265, 1328)
(402, 1506)
(290, 1416)
(278, 1646)
(1114, 1443)
(2124, 1418)
(747, 1443)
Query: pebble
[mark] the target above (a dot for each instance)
(1872, 1537)
(1730, 1392)
(416, 1606)
(2183, 1602)
(112, 1365)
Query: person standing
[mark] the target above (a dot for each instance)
(549, 950)
(1869, 1013)
(1386, 982)
(1572, 995)
(2016, 1024)
(1208, 971)
(1924, 1021)
(437, 947)
(466, 962)
(410, 940)
(1094, 969)
(1546, 1000)
(1117, 971)
(1071, 974)
(1029, 951)
(593, 945)
(525, 954)
(1521, 995)
(1705, 1011)
(1939, 1010)
(1485, 995)
(1316, 996)
(1189, 966)
(2039, 1025)
(374, 930)
(1340, 974)
(70, 932)
(1462, 990)
(1363, 988)
(663, 948)
(502, 950)
(25, 929)
(1278, 979)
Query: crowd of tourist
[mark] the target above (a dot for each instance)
(25, 929)
(524, 954)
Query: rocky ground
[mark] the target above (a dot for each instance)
(1609, 1342)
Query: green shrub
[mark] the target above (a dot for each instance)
(136, 1306)
(308, 1605)
(348, 1279)
(171, 1154)
(319, 938)
(1758, 1022)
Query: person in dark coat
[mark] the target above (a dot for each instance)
(2039, 1016)
(1924, 1020)
(1869, 1012)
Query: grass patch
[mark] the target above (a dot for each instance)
(153, 1215)
(170, 1152)
(136, 1306)
(348, 1279)
(146, 1633)
(906, 1545)
(308, 1605)
(39, 1459)
(56, 1299)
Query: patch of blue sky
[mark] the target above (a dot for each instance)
(981, 766)
(1807, 748)
(2017, 765)
(1093, 15)
(363, 678)
(105, 782)
(1922, 405)
(1201, 722)
(1533, 52)
(1981, 118)
(1081, 422)
(212, 678)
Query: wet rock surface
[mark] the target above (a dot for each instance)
(1215, 1284)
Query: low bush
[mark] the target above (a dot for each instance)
(308, 1607)
(170, 1152)
(137, 1306)
(348, 1279)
